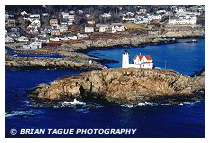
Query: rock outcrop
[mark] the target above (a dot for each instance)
(124, 86)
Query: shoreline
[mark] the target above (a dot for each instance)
(82, 49)
(141, 45)
(104, 86)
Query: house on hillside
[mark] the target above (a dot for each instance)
(54, 23)
(82, 35)
(55, 32)
(89, 29)
(139, 61)
(72, 37)
(9, 22)
(22, 39)
(9, 40)
(118, 28)
(33, 17)
(182, 20)
(33, 45)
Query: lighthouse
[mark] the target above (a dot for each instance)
(125, 59)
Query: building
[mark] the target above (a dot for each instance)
(44, 40)
(72, 37)
(103, 29)
(33, 45)
(55, 32)
(9, 22)
(91, 22)
(69, 18)
(9, 40)
(63, 28)
(89, 29)
(65, 15)
(128, 17)
(106, 15)
(154, 17)
(54, 39)
(23, 13)
(139, 61)
(142, 11)
(33, 27)
(82, 35)
(64, 38)
(22, 39)
(118, 28)
(33, 17)
(183, 20)
(36, 23)
(14, 35)
(54, 22)
(139, 19)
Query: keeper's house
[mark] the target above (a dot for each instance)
(139, 61)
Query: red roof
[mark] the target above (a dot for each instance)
(148, 57)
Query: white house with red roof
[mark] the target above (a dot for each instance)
(139, 61)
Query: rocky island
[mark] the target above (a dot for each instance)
(124, 86)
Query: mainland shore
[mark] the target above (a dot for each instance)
(74, 54)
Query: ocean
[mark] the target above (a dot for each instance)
(185, 120)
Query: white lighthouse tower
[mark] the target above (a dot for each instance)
(125, 59)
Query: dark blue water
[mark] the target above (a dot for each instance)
(183, 57)
(186, 120)
(49, 55)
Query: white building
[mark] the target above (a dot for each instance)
(183, 20)
(82, 35)
(180, 10)
(141, 19)
(65, 15)
(162, 11)
(89, 29)
(106, 15)
(117, 28)
(54, 39)
(33, 27)
(129, 16)
(142, 11)
(9, 40)
(154, 17)
(91, 22)
(23, 13)
(103, 29)
(36, 23)
(139, 61)
(72, 37)
(63, 28)
(22, 39)
(33, 17)
(54, 22)
(33, 45)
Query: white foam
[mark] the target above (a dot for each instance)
(147, 103)
(16, 113)
(75, 102)
(127, 105)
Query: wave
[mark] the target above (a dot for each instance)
(29, 113)
(75, 104)
(158, 104)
